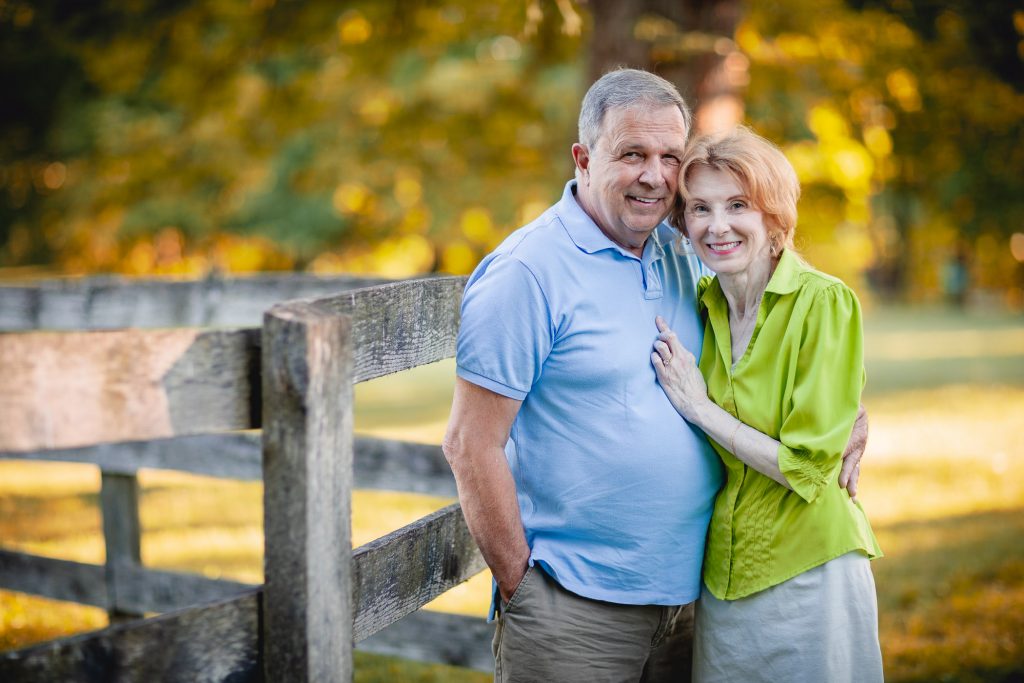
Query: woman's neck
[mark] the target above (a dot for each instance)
(744, 290)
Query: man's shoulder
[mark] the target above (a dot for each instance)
(532, 237)
(540, 245)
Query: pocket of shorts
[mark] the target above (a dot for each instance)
(514, 600)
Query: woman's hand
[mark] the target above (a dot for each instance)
(678, 374)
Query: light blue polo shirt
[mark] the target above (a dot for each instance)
(615, 488)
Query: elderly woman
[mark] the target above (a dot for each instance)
(788, 593)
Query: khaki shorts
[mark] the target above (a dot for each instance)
(546, 633)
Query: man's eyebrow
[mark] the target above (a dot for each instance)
(627, 146)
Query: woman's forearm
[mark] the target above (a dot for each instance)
(753, 448)
(685, 388)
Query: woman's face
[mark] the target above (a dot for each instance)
(727, 231)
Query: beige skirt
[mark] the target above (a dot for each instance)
(821, 625)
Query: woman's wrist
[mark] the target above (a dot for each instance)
(698, 412)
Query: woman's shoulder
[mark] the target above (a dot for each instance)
(815, 283)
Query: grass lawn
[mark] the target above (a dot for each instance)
(943, 483)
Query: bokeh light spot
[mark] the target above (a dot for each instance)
(353, 28)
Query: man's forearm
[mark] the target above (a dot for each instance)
(475, 448)
(488, 496)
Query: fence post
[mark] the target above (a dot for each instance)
(307, 478)
(122, 533)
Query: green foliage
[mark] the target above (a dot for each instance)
(913, 115)
(403, 137)
(316, 126)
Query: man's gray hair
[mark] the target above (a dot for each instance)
(625, 88)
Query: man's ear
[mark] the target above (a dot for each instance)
(581, 156)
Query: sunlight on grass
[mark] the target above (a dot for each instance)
(946, 344)
(27, 619)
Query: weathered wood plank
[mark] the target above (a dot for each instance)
(110, 302)
(403, 466)
(208, 644)
(59, 390)
(307, 484)
(379, 463)
(121, 653)
(141, 589)
(394, 575)
(399, 573)
(427, 636)
(122, 533)
(52, 578)
(138, 589)
(423, 636)
(401, 325)
(228, 455)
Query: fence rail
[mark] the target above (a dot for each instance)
(127, 399)
(98, 303)
(379, 463)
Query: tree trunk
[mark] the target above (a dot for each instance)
(688, 42)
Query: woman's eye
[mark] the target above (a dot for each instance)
(738, 205)
(700, 208)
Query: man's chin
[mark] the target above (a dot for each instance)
(646, 226)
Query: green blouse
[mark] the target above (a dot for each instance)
(799, 381)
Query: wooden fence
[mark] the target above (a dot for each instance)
(121, 397)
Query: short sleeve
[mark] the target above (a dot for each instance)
(506, 332)
(826, 393)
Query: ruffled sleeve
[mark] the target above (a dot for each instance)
(826, 392)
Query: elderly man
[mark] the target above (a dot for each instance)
(587, 494)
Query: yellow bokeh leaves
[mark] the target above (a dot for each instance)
(878, 141)
(376, 108)
(902, 86)
(843, 160)
(353, 28)
(458, 258)
(408, 190)
(394, 257)
(477, 227)
(827, 124)
(351, 199)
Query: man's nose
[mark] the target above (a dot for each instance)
(651, 175)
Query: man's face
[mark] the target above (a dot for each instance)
(627, 181)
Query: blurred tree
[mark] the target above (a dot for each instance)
(402, 137)
(906, 139)
(689, 43)
(385, 135)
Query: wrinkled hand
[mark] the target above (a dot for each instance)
(678, 373)
(850, 473)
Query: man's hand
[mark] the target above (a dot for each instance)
(507, 585)
(850, 473)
